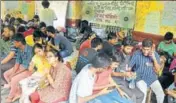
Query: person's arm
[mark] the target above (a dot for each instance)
(119, 74)
(8, 58)
(16, 67)
(132, 62)
(54, 15)
(156, 62)
(102, 87)
(88, 98)
(121, 92)
(17, 64)
(31, 67)
(50, 80)
(174, 54)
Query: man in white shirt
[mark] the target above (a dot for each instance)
(47, 15)
(82, 88)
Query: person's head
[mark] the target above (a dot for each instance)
(8, 32)
(101, 62)
(83, 25)
(147, 46)
(97, 43)
(45, 4)
(50, 31)
(21, 29)
(116, 59)
(127, 45)
(31, 24)
(112, 38)
(7, 17)
(88, 34)
(53, 56)
(36, 18)
(18, 21)
(37, 36)
(12, 21)
(168, 37)
(42, 27)
(39, 50)
(18, 40)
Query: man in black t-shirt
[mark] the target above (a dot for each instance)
(109, 45)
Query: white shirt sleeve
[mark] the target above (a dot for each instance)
(85, 86)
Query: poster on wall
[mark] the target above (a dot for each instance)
(19, 9)
(169, 14)
(112, 13)
(59, 7)
(156, 17)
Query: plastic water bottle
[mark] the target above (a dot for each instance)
(132, 84)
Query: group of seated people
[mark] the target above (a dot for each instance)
(32, 66)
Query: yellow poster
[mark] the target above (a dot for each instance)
(160, 9)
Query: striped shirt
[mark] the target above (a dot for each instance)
(143, 66)
(6, 47)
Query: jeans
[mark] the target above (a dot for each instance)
(156, 88)
(64, 53)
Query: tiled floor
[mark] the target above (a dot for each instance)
(4, 94)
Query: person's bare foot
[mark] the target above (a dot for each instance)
(15, 98)
(8, 100)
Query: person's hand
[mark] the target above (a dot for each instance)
(128, 74)
(105, 91)
(110, 85)
(123, 94)
(152, 55)
(46, 71)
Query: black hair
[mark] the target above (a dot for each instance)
(19, 20)
(96, 41)
(37, 34)
(101, 60)
(83, 25)
(19, 37)
(12, 20)
(36, 17)
(38, 45)
(45, 4)
(56, 54)
(111, 35)
(127, 41)
(116, 56)
(50, 29)
(8, 15)
(21, 29)
(87, 33)
(147, 43)
(42, 24)
(11, 28)
(168, 36)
